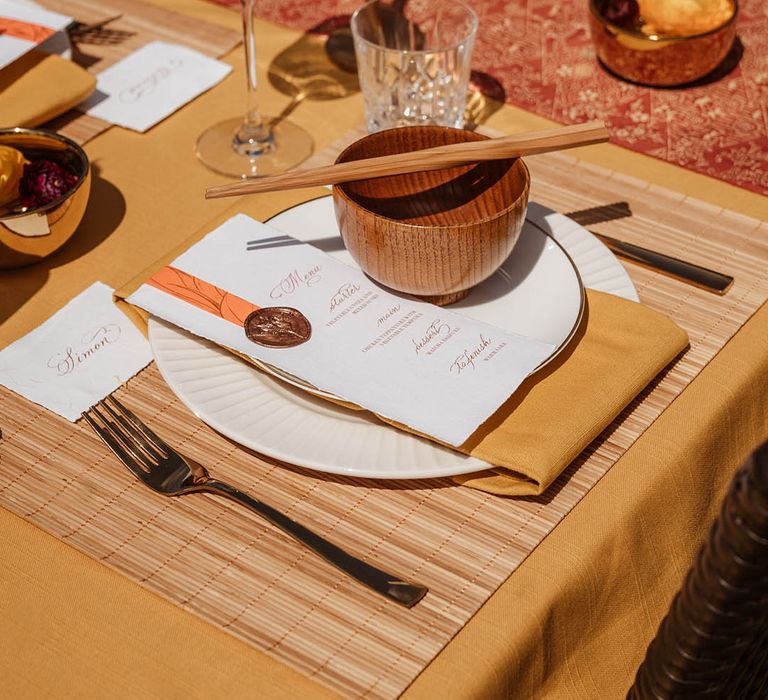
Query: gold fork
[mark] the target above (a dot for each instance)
(155, 463)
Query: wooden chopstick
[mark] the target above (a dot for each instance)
(436, 158)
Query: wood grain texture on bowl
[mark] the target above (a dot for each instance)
(432, 234)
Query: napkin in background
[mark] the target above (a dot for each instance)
(151, 83)
(40, 86)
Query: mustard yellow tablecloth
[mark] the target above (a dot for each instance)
(571, 622)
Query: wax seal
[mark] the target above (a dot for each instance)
(277, 327)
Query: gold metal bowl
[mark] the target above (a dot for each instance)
(29, 236)
(657, 59)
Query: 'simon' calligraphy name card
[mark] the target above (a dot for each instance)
(78, 356)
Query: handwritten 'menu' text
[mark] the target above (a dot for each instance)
(294, 281)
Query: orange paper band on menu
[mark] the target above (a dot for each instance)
(24, 30)
(202, 294)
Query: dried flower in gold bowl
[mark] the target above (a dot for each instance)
(45, 181)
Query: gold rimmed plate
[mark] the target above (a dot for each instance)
(538, 293)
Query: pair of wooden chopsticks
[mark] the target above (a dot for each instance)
(452, 155)
(422, 160)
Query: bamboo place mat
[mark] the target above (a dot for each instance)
(127, 26)
(219, 562)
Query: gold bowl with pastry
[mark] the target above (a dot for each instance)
(663, 42)
(45, 180)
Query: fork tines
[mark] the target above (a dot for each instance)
(166, 471)
(133, 442)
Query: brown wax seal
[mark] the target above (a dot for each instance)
(277, 327)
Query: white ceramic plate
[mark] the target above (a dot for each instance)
(536, 293)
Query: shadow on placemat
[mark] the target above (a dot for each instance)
(601, 213)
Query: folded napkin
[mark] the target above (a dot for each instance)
(39, 86)
(619, 349)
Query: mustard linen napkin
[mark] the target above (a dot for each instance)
(619, 349)
(38, 86)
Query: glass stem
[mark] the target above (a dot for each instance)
(254, 137)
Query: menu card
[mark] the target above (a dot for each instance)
(24, 27)
(247, 287)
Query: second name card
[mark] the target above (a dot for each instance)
(151, 84)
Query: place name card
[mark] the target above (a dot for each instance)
(298, 309)
(152, 83)
(78, 356)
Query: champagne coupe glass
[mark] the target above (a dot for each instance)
(256, 145)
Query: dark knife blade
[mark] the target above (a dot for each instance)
(691, 273)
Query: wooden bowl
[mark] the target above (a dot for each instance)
(29, 236)
(660, 60)
(437, 234)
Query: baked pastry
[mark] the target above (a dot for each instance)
(12, 163)
(683, 17)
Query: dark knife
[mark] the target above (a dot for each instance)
(688, 272)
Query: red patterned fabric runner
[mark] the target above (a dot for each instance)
(541, 52)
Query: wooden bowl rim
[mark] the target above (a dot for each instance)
(83, 174)
(339, 190)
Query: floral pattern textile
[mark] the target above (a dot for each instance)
(541, 52)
